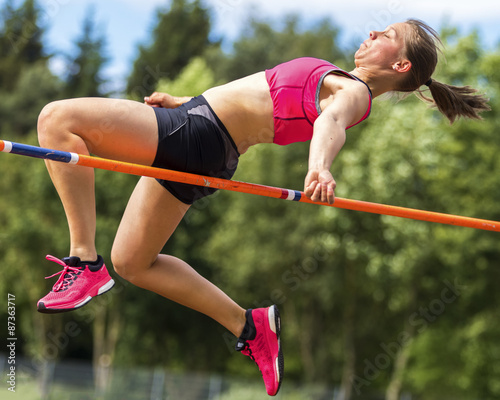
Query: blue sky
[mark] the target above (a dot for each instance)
(126, 23)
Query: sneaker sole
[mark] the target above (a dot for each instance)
(103, 289)
(275, 325)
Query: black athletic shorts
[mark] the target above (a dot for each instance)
(191, 138)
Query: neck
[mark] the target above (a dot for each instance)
(377, 82)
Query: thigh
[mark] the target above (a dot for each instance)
(151, 216)
(119, 129)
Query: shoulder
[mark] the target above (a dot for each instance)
(337, 82)
(344, 98)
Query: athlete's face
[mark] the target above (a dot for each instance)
(382, 48)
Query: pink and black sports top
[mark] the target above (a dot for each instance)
(295, 87)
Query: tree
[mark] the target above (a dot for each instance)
(20, 40)
(85, 70)
(377, 303)
(372, 304)
(181, 33)
(462, 179)
(262, 45)
(25, 80)
(19, 110)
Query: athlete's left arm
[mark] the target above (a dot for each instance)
(165, 100)
(348, 106)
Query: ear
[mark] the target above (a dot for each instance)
(402, 66)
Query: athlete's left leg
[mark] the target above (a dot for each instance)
(151, 217)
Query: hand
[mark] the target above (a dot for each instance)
(161, 100)
(320, 186)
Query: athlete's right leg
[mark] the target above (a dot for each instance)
(111, 128)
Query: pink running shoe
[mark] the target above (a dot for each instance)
(260, 341)
(78, 282)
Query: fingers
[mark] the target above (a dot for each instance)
(320, 192)
(309, 189)
(154, 100)
(149, 101)
(320, 186)
(324, 193)
(330, 195)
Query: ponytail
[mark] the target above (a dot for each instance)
(422, 46)
(455, 101)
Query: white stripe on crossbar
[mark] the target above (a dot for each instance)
(7, 146)
(74, 158)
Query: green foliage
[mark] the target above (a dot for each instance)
(181, 33)
(85, 70)
(262, 45)
(26, 83)
(19, 108)
(194, 79)
(20, 40)
(430, 165)
(356, 291)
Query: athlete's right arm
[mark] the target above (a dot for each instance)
(165, 100)
(347, 107)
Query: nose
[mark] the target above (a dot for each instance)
(373, 34)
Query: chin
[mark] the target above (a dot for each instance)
(357, 57)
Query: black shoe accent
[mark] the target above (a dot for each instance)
(94, 266)
(249, 331)
(44, 310)
(71, 261)
(281, 361)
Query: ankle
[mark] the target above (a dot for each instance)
(84, 254)
(240, 324)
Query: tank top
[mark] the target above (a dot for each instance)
(295, 87)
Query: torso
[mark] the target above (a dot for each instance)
(245, 106)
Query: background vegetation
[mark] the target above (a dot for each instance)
(374, 305)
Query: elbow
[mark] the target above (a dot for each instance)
(336, 129)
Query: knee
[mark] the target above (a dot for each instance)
(127, 266)
(122, 265)
(50, 123)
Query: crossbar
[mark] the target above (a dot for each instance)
(243, 187)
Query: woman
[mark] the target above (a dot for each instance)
(304, 99)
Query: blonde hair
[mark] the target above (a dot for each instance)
(422, 48)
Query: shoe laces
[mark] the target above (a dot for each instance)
(246, 350)
(256, 347)
(66, 276)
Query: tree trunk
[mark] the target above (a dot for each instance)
(107, 325)
(393, 391)
(45, 347)
(349, 366)
(302, 321)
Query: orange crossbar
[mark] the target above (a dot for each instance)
(275, 192)
(261, 190)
